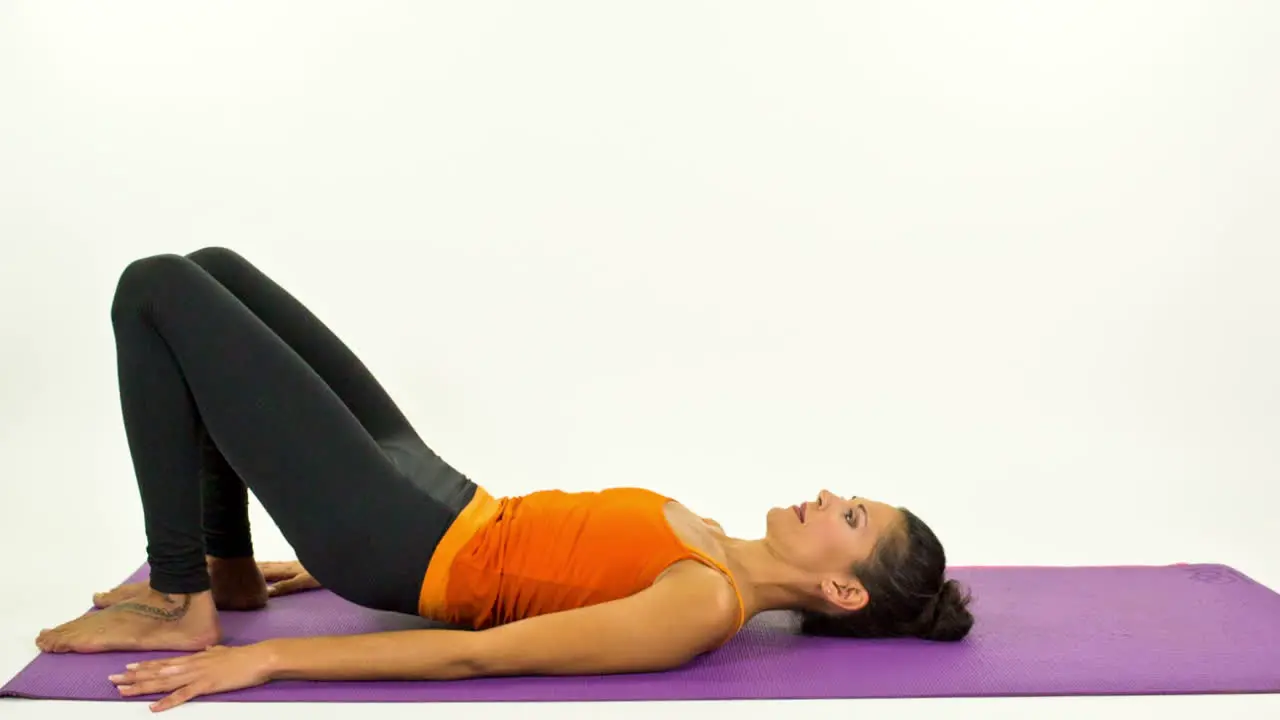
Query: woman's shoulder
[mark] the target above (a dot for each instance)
(685, 614)
(695, 587)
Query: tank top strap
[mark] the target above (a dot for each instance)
(737, 593)
(696, 554)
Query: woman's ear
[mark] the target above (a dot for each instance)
(845, 594)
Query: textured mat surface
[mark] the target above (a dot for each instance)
(1040, 631)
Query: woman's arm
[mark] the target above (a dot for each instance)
(664, 626)
(690, 611)
(396, 655)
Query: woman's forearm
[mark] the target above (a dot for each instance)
(402, 655)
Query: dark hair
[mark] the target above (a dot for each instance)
(908, 594)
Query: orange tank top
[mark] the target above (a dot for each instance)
(505, 559)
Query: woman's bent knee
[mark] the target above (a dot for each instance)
(216, 257)
(143, 278)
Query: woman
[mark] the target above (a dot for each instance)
(228, 383)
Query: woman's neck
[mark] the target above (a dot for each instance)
(766, 581)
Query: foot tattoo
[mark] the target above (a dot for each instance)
(155, 612)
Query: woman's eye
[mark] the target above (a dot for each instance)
(849, 516)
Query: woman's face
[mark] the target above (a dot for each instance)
(827, 536)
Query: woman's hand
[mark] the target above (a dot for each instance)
(284, 578)
(218, 669)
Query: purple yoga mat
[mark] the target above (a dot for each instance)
(1040, 631)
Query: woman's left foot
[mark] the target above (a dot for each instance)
(147, 621)
(237, 584)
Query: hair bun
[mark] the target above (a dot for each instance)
(947, 616)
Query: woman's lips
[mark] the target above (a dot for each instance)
(799, 511)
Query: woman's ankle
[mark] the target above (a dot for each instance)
(237, 583)
(231, 560)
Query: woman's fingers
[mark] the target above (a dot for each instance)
(153, 685)
(151, 666)
(292, 585)
(162, 662)
(278, 570)
(177, 698)
(163, 669)
(216, 669)
(144, 675)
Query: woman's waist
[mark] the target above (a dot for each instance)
(474, 517)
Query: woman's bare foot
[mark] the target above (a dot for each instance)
(147, 621)
(237, 584)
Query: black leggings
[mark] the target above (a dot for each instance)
(228, 383)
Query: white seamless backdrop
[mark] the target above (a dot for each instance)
(1010, 264)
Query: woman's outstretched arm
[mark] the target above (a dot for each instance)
(659, 628)
(690, 612)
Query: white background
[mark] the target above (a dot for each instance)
(1010, 264)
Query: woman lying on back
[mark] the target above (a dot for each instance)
(229, 384)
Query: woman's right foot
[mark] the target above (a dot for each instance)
(147, 621)
(237, 584)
